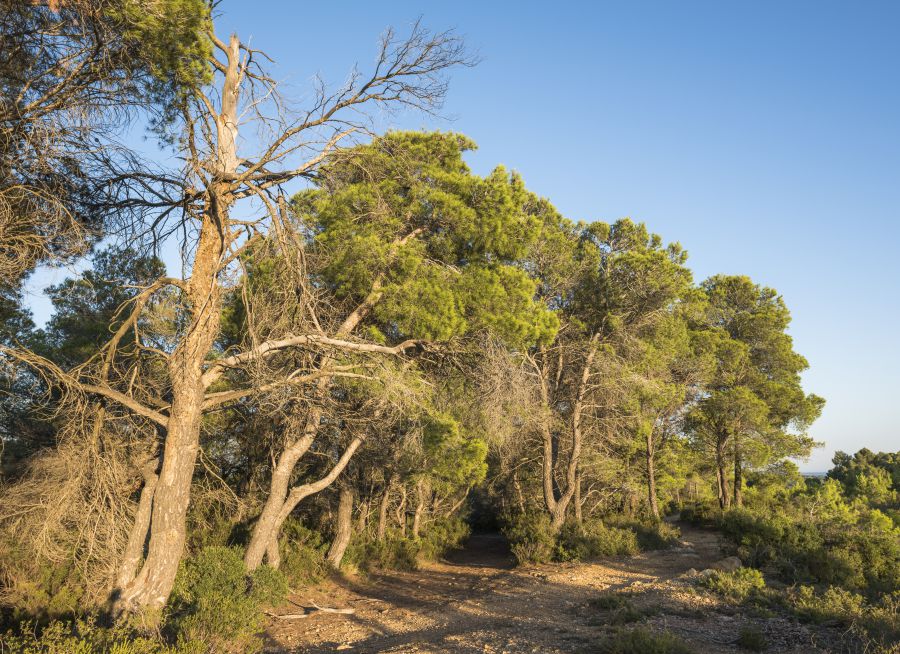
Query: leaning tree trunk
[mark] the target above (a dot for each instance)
(265, 540)
(263, 531)
(401, 512)
(137, 537)
(344, 528)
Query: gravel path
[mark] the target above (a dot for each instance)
(476, 601)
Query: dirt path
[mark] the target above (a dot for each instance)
(476, 601)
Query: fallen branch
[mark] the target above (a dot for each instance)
(310, 611)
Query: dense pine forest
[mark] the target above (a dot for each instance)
(370, 353)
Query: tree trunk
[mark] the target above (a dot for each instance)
(137, 537)
(558, 508)
(344, 528)
(151, 587)
(401, 512)
(579, 518)
(266, 540)
(263, 530)
(520, 497)
(363, 518)
(651, 476)
(721, 479)
(421, 491)
(383, 510)
(738, 476)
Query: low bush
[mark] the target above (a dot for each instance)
(875, 625)
(643, 641)
(393, 553)
(216, 606)
(752, 639)
(858, 548)
(651, 534)
(441, 536)
(608, 602)
(621, 610)
(302, 554)
(531, 538)
(736, 586)
(591, 539)
(83, 637)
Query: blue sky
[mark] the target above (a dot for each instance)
(764, 136)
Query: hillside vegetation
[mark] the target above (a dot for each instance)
(349, 378)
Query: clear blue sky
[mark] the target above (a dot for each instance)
(764, 136)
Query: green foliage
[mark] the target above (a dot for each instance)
(876, 625)
(302, 554)
(169, 36)
(643, 641)
(393, 553)
(736, 586)
(593, 539)
(619, 610)
(87, 309)
(85, 637)
(217, 604)
(398, 552)
(608, 602)
(441, 536)
(752, 639)
(453, 458)
(874, 478)
(441, 244)
(821, 539)
(651, 534)
(35, 588)
(530, 537)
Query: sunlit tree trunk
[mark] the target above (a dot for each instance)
(344, 528)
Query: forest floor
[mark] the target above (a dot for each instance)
(477, 601)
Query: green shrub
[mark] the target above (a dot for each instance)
(81, 637)
(835, 605)
(643, 641)
(608, 602)
(702, 514)
(578, 542)
(441, 536)
(217, 605)
(395, 552)
(651, 534)
(530, 537)
(735, 586)
(37, 589)
(875, 625)
(752, 639)
(302, 554)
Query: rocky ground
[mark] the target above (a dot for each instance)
(477, 601)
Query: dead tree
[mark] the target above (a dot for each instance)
(224, 202)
